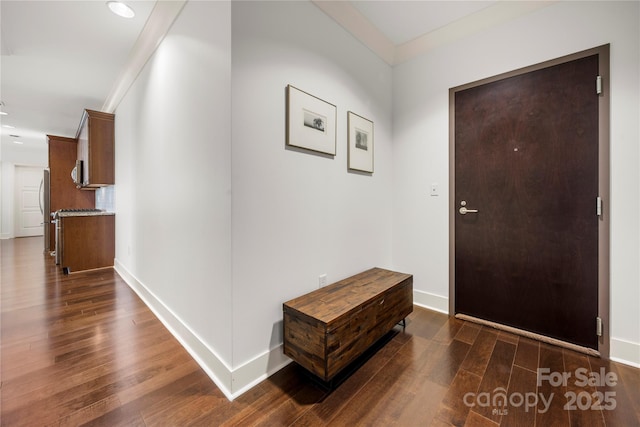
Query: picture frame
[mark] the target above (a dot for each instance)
(360, 143)
(311, 122)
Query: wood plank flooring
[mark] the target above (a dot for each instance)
(83, 349)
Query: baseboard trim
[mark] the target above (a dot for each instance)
(232, 382)
(215, 368)
(625, 352)
(258, 369)
(431, 301)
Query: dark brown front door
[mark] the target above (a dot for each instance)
(526, 158)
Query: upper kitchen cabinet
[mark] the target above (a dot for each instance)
(96, 149)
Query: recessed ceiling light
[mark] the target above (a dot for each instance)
(8, 126)
(121, 9)
(18, 142)
(2, 113)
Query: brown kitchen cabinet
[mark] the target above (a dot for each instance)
(327, 329)
(62, 190)
(86, 241)
(96, 149)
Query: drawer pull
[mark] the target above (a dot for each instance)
(382, 302)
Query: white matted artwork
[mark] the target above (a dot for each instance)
(360, 140)
(311, 122)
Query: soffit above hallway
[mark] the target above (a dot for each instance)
(398, 31)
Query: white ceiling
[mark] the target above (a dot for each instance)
(60, 57)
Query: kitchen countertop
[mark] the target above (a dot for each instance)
(83, 213)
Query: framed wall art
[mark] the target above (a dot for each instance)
(360, 141)
(311, 122)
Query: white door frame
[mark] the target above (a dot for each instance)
(27, 216)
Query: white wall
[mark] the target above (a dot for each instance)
(7, 177)
(421, 142)
(10, 156)
(173, 182)
(297, 215)
(217, 222)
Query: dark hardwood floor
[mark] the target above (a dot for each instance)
(83, 349)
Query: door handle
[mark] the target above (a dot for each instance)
(40, 196)
(463, 210)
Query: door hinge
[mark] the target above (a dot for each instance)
(599, 206)
(599, 326)
(599, 85)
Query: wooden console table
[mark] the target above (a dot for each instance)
(328, 328)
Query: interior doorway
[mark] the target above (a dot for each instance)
(28, 201)
(529, 180)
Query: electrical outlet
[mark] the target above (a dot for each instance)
(434, 189)
(322, 281)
